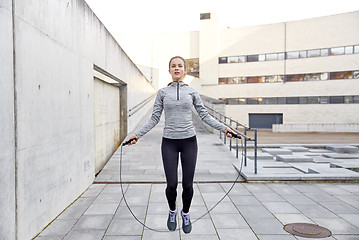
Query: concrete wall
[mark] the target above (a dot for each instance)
(57, 44)
(107, 121)
(7, 126)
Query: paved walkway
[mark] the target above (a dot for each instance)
(250, 211)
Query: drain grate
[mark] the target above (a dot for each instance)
(307, 230)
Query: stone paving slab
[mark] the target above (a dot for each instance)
(342, 148)
(250, 211)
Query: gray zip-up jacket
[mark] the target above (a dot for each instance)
(177, 100)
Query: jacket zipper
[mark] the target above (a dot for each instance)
(177, 90)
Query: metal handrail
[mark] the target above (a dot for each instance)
(223, 119)
(137, 107)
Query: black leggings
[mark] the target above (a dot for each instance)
(170, 149)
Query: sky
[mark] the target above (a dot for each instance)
(156, 16)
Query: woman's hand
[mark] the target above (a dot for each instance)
(134, 139)
(229, 133)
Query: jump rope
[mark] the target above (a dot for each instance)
(159, 230)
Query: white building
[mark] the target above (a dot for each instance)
(303, 75)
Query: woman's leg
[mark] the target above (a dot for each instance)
(189, 151)
(169, 151)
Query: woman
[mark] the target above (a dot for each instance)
(179, 136)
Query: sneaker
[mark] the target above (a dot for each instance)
(186, 223)
(171, 221)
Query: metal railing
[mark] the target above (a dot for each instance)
(237, 126)
(134, 109)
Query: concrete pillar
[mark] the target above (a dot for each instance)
(208, 49)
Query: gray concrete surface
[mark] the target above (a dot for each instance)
(250, 211)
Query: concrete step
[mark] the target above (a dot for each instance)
(277, 151)
(293, 158)
(342, 148)
(296, 148)
(341, 155)
(260, 156)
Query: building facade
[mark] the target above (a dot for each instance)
(299, 75)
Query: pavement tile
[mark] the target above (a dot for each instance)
(286, 218)
(268, 197)
(315, 211)
(150, 235)
(122, 238)
(229, 221)
(59, 227)
(280, 207)
(254, 212)
(85, 234)
(128, 227)
(343, 237)
(203, 226)
(101, 209)
(351, 218)
(276, 237)
(339, 207)
(95, 222)
(245, 200)
(198, 237)
(266, 226)
(124, 212)
(337, 225)
(236, 234)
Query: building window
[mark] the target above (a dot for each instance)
(314, 53)
(336, 99)
(324, 52)
(193, 66)
(254, 80)
(302, 54)
(313, 100)
(252, 101)
(222, 81)
(356, 49)
(271, 57)
(233, 59)
(324, 76)
(252, 58)
(337, 51)
(261, 57)
(205, 16)
(296, 77)
(341, 75)
(292, 100)
(223, 60)
(323, 100)
(292, 55)
(348, 50)
(312, 77)
(356, 74)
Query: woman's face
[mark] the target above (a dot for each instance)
(177, 69)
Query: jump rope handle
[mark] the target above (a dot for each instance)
(235, 135)
(128, 142)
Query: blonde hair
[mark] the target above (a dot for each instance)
(184, 62)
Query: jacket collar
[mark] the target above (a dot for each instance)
(181, 83)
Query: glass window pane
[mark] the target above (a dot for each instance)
(323, 100)
(271, 100)
(222, 81)
(252, 79)
(292, 55)
(356, 74)
(280, 78)
(233, 59)
(348, 99)
(252, 58)
(324, 52)
(241, 59)
(337, 51)
(312, 77)
(241, 101)
(261, 101)
(349, 50)
(280, 56)
(303, 100)
(356, 49)
(336, 99)
(281, 100)
(302, 54)
(355, 99)
(314, 53)
(261, 57)
(223, 60)
(292, 100)
(271, 57)
(232, 80)
(252, 101)
(240, 79)
(232, 101)
(295, 77)
(313, 100)
(271, 79)
(341, 75)
(324, 76)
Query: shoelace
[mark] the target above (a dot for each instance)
(186, 219)
(172, 216)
